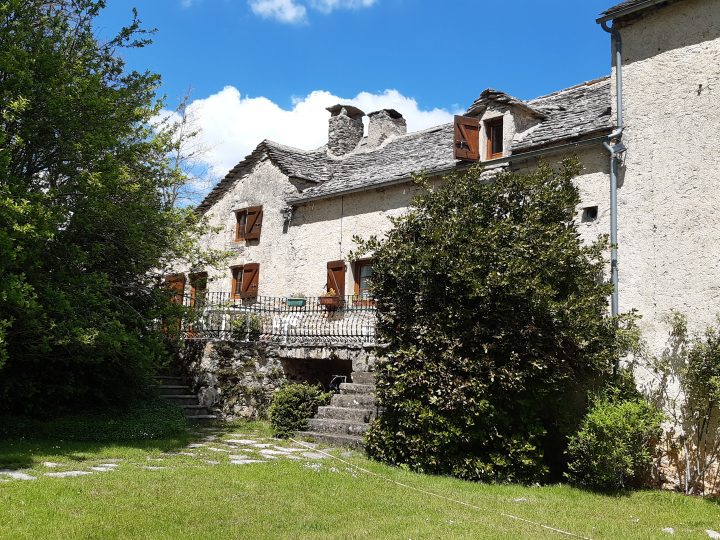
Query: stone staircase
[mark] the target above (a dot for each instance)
(178, 392)
(346, 420)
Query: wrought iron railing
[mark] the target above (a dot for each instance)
(329, 320)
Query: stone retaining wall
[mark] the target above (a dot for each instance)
(239, 379)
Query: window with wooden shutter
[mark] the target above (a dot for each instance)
(176, 284)
(245, 280)
(253, 225)
(250, 281)
(240, 225)
(198, 288)
(494, 136)
(336, 277)
(467, 138)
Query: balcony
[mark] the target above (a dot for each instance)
(324, 320)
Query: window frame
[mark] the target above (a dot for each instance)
(491, 124)
(240, 232)
(237, 274)
(357, 269)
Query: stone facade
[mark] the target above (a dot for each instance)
(668, 223)
(315, 202)
(239, 379)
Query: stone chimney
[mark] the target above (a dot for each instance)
(346, 129)
(384, 124)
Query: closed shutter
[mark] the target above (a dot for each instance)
(250, 280)
(467, 138)
(336, 277)
(253, 225)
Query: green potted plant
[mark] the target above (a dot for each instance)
(296, 300)
(331, 300)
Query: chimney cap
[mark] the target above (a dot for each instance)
(352, 112)
(392, 113)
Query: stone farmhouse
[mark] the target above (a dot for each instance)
(648, 136)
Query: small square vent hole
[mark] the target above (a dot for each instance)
(589, 213)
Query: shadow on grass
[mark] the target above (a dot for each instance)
(147, 426)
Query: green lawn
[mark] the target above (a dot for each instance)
(174, 489)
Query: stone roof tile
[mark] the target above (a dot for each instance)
(570, 114)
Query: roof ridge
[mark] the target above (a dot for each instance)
(574, 87)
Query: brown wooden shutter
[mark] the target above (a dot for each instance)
(253, 223)
(250, 280)
(467, 138)
(336, 277)
(176, 284)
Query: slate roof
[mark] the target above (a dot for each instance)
(568, 115)
(634, 5)
(573, 113)
(495, 96)
(430, 151)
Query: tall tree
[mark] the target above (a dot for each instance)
(83, 222)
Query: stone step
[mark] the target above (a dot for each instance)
(183, 399)
(345, 413)
(202, 418)
(341, 427)
(169, 379)
(363, 377)
(333, 439)
(172, 389)
(353, 401)
(352, 388)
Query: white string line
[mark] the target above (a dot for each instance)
(509, 516)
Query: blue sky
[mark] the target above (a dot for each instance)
(267, 68)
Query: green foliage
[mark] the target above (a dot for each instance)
(246, 326)
(616, 444)
(495, 315)
(687, 388)
(139, 421)
(83, 222)
(292, 405)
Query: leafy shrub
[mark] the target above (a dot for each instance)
(687, 387)
(140, 421)
(496, 324)
(292, 405)
(246, 326)
(616, 444)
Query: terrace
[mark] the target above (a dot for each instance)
(327, 320)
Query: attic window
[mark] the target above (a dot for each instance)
(494, 135)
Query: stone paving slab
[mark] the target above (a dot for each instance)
(233, 449)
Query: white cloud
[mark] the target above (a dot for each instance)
(232, 125)
(286, 11)
(327, 6)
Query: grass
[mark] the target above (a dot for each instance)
(303, 499)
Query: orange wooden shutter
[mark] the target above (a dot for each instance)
(250, 280)
(336, 277)
(467, 138)
(253, 223)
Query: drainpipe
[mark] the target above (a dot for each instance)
(615, 147)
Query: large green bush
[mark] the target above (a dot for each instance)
(495, 316)
(84, 226)
(616, 444)
(292, 405)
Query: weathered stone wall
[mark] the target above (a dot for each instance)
(239, 379)
(669, 226)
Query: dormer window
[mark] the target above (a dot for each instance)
(494, 136)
